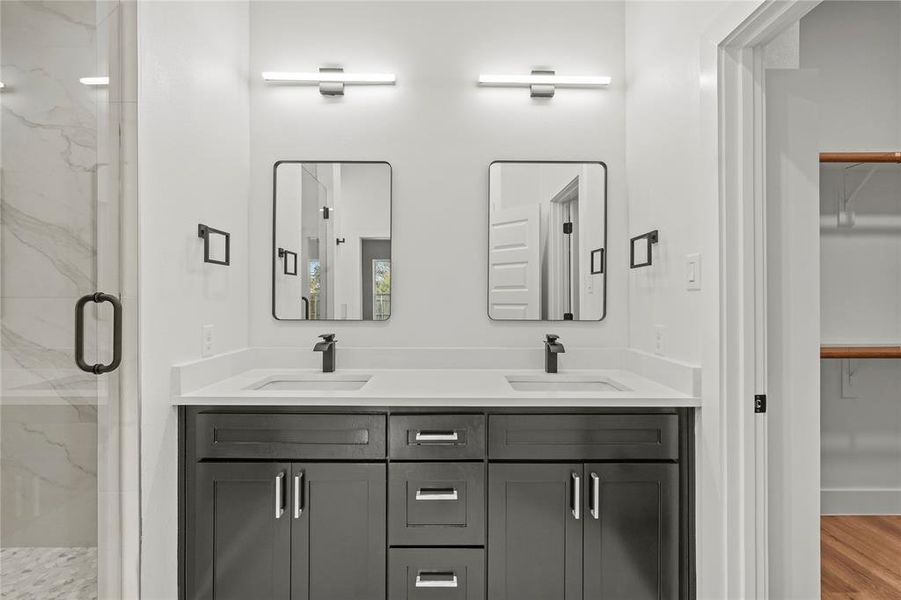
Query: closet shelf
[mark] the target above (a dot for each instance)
(860, 157)
(860, 352)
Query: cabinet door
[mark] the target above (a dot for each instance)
(535, 531)
(338, 533)
(632, 532)
(241, 538)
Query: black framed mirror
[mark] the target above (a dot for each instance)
(547, 237)
(331, 241)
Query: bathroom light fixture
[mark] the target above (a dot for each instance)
(543, 83)
(94, 81)
(2, 85)
(331, 80)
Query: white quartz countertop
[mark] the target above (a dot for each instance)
(436, 387)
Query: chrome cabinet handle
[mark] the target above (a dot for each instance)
(298, 495)
(577, 496)
(437, 494)
(98, 298)
(436, 580)
(279, 501)
(595, 496)
(437, 436)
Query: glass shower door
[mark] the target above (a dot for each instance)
(61, 211)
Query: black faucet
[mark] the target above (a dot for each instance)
(327, 347)
(551, 349)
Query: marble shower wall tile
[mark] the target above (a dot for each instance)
(49, 476)
(48, 256)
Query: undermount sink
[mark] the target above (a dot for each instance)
(562, 383)
(340, 383)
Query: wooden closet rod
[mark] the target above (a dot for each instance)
(860, 157)
(860, 352)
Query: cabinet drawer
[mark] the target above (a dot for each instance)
(436, 574)
(290, 436)
(583, 437)
(437, 437)
(436, 504)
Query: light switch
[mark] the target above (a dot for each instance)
(693, 271)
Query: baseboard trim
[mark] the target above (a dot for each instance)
(860, 502)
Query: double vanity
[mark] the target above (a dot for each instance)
(434, 484)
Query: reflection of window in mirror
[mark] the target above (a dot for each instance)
(381, 289)
(315, 285)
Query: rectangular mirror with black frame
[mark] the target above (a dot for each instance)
(331, 250)
(547, 236)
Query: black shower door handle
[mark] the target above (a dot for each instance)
(98, 297)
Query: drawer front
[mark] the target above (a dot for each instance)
(290, 436)
(436, 504)
(437, 437)
(583, 437)
(436, 574)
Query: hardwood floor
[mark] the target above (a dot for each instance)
(861, 558)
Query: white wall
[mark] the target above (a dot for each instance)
(439, 131)
(289, 288)
(672, 153)
(856, 47)
(665, 171)
(194, 168)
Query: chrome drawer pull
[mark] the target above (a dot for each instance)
(436, 580)
(279, 502)
(595, 496)
(298, 495)
(437, 494)
(577, 496)
(437, 436)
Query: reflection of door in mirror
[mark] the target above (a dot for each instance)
(545, 220)
(561, 269)
(326, 212)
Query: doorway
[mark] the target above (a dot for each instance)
(832, 302)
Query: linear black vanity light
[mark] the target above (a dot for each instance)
(543, 83)
(650, 238)
(331, 80)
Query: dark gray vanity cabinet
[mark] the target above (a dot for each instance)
(573, 531)
(288, 503)
(338, 541)
(242, 533)
(289, 531)
(631, 531)
(534, 539)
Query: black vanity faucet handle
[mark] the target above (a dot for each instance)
(551, 338)
(329, 337)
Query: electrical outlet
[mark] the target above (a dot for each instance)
(207, 346)
(693, 272)
(658, 339)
